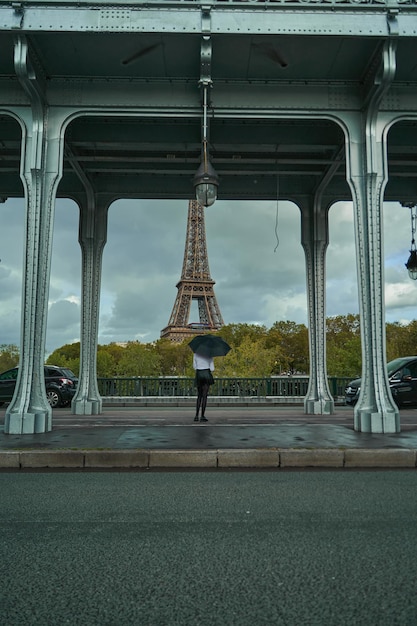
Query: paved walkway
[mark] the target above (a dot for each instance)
(166, 436)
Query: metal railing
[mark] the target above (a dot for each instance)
(275, 386)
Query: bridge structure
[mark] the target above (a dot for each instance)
(107, 100)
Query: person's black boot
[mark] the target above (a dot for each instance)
(203, 419)
(196, 418)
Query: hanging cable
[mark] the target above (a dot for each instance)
(413, 226)
(276, 215)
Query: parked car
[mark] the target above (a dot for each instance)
(60, 384)
(402, 376)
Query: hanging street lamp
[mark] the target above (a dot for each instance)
(206, 180)
(411, 264)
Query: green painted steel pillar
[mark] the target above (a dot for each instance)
(314, 238)
(42, 147)
(92, 238)
(375, 411)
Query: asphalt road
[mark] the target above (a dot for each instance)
(185, 549)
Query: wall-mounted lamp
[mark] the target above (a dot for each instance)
(206, 180)
(411, 264)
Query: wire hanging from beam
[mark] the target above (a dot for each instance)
(277, 215)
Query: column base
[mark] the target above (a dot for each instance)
(325, 406)
(87, 407)
(28, 423)
(368, 421)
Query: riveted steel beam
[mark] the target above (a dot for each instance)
(291, 18)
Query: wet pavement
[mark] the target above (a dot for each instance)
(229, 427)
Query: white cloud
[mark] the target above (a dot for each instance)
(287, 306)
(399, 295)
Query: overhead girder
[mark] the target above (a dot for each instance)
(147, 68)
(302, 164)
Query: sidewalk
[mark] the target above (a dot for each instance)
(152, 437)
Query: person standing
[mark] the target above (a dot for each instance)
(204, 366)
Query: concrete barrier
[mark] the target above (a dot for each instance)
(9, 459)
(182, 458)
(390, 457)
(52, 458)
(116, 458)
(272, 458)
(248, 458)
(324, 457)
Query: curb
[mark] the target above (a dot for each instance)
(272, 458)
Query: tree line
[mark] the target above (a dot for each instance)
(257, 351)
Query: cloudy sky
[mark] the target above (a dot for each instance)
(259, 269)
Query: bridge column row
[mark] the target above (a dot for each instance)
(29, 411)
(42, 161)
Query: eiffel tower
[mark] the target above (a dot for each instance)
(195, 284)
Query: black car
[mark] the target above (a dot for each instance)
(402, 376)
(60, 384)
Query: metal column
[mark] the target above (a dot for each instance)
(375, 411)
(315, 239)
(29, 411)
(92, 238)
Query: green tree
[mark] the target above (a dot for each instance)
(412, 337)
(108, 358)
(138, 359)
(66, 356)
(343, 345)
(250, 358)
(290, 342)
(343, 325)
(400, 339)
(345, 359)
(175, 358)
(9, 356)
(106, 365)
(234, 334)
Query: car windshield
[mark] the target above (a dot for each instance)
(68, 372)
(394, 365)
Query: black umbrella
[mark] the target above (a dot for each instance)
(209, 345)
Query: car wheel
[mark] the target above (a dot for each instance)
(54, 398)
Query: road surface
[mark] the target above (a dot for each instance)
(198, 548)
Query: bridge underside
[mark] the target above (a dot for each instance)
(313, 102)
